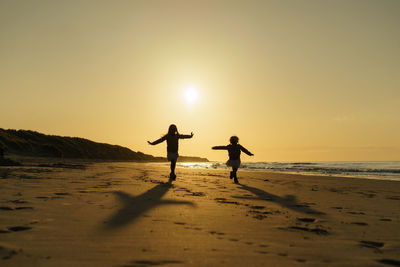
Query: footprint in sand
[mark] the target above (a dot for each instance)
(42, 197)
(223, 200)
(318, 231)
(302, 205)
(24, 208)
(196, 194)
(62, 194)
(260, 217)
(257, 207)
(216, 233)
(5, 208)
(371, 244)
(390, 262)
(394, 197)
(19, 228)
(260, 212)
(308, 220)
(356, 212)
(18, 201)
(360, 223)
(84, 191)
(143, 263)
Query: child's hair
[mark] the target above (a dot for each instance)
(172, 130)
(234, 140)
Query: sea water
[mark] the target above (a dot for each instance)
(384, 170)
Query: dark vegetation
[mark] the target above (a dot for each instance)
(34, 144)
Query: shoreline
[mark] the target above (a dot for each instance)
(343, 176)
(33, 161)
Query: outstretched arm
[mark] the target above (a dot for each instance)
(158, 140)
(186, 136)
(219, 147)
(246, 151)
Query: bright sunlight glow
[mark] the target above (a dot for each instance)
(191, 95)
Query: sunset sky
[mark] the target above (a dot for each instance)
(295, 80)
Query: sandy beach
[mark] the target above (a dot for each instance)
(127, 214)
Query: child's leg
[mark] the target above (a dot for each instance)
(173, 164)
(234, 170)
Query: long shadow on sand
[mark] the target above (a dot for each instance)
(134, 206)
(288, 201)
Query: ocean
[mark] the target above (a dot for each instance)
(382, 170)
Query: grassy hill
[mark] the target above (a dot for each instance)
(31, 143)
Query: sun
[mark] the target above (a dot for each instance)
(191, 95)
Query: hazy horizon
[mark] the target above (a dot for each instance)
(296, 81)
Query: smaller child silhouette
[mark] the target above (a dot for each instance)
(234, 149)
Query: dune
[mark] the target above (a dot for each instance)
(128, 214)
(22, 144)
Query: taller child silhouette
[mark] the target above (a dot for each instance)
(172, 138)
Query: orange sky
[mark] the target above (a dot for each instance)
(295, 80)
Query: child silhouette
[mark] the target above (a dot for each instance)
(172, 138)
(234, 149)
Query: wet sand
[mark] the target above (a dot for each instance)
(126, 214)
